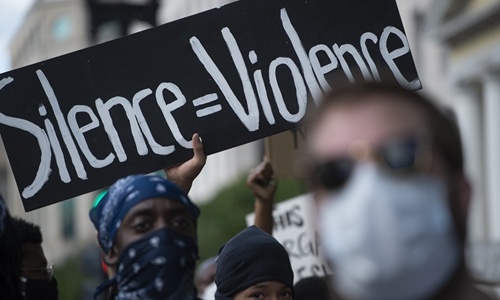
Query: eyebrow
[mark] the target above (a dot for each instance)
(142, 212)
(178, 210)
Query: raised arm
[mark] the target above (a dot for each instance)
(184, 174)
(261, 182)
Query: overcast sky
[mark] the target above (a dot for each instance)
(12, 12)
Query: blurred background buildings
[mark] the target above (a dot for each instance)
(456, 46)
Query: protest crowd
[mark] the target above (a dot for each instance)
(383, 165)
(386, 172)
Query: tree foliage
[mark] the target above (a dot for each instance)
(224, 216)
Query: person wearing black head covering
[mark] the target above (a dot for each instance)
(10, 260)
(253, 264)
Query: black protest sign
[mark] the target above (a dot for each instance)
(234, 74)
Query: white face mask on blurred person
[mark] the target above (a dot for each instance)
(389, 237)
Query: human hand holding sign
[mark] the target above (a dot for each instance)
(184, 174)
(261, 182)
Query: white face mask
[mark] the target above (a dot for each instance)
(389, 237)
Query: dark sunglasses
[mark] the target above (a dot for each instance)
(399, 156)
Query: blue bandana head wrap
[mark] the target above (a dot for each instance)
(124, 194)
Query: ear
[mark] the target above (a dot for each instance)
(111, 258)
(463, 195)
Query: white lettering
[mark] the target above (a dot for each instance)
(264, 100)
(369, 36)
(42, 175)
(103, 110)
(253, 110)
(302, 54)
(80, 138)
(250, 120)
(391, 56)
(340, 52)
(167, 110)
(261, 90)
(300, 89)
(157, 148)
(63, 127)
(319, 70)
(56, 147)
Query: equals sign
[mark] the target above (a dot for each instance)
(207, 110)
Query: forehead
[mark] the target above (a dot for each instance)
(157, 205)
(268, 285)
(373, 121)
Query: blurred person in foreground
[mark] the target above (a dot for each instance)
(10, 263)
(147, 230)
(392, 197)
(37, 280)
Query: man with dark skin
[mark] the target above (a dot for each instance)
(10, 270)
(37, 277)
(148, 216)
(147, 231)
(391, 194)
(32, 255)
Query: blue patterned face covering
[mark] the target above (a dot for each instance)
(158, 266)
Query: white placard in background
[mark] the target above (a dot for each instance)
(294, 229)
